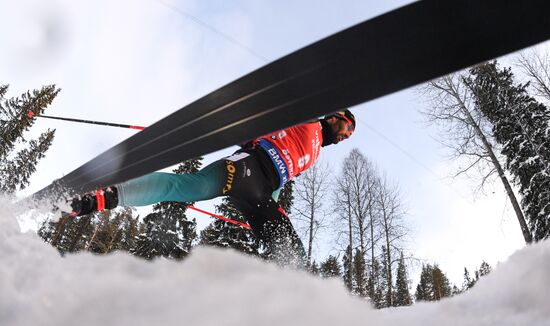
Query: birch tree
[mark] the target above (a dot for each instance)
(356, 198)
(393, 229)
(312, 193)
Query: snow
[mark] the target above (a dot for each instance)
(222, 287)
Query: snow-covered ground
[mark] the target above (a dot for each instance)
(220, 287)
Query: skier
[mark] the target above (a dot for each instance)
(252, 178)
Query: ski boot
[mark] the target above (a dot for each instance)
(99, 200)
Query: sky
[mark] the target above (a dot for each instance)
(215, 286)
(135, 62)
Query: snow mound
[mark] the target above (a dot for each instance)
(222, 287)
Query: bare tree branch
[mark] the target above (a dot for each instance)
(536, 65)
(311, 192)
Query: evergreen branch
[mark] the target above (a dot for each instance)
(17, 171)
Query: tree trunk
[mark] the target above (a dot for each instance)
(372, 248)
(389, 271)
(311, 225)
(350, 229)
(387, 227)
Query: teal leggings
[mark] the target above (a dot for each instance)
(159, 186)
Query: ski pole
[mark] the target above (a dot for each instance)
(223, 218)
(119, 125)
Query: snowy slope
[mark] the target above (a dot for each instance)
(219, 287)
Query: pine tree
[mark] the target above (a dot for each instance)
(434, 284)
(402, 295)
(424, 289)
(128, 231)
(374, 285)
(483, 270)
(184, 232)
(347, 265)
(441, 284)
(119, 224)
(47, 231)
(227, 235)
(286, 197)
(82, 227)
(53, 232)
(330, 268)
(100, 232)
(168, 233)
(359, 273)
(68, 234)
(313, 268)
(115, 228)
(387, 280)
(151, 243)
(468, 282)
(102, 236)
(520, 125)
(455, 290)
(18, 156)
(178, 233)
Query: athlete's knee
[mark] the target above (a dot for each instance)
(204, 191)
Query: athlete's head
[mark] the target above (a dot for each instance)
(337, 127)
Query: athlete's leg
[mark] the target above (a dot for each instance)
(159, 187)
(155, 187)
(251, 193)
